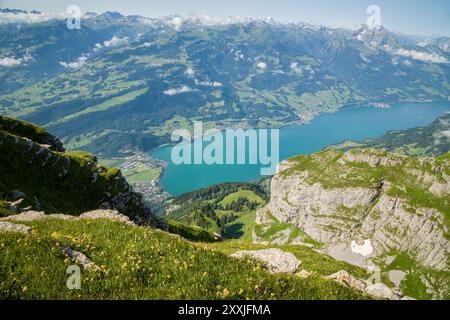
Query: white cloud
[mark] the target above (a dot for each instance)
(441, 134)
(422, 56)
(190, 72)
(238, 55)
(407, 63)
(13, 62)
(113, 42)
(445, 47)
(208, 83)
(177, 23)
(173, 91)
(295, 67)
(10, 62)
(27, 17)
(76, 64)
(27, 57)
(216, 20)
(261, 65)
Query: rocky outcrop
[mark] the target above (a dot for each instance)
(109, 215)
(112, 215)
(345, 278)
(25, 216)
(12, 227)
(377, 290)
(32, 132)
(304, 274)
(35, 168)
(396, 277)
(81, 259)
(381, 291)
(277, 260)
(366, 197)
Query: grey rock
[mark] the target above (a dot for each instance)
(316, 210)
(396, 277)
(304, 274)
(381, 291)
(14, 205)
(277, 260)
(28, 216)
(12, 227)
(81, 259)
(345, 278)
(107, 214)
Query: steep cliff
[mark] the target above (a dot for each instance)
(394, 201)
(35, 168)
(368, 207)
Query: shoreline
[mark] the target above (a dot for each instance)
(301, 122)
(311, 117)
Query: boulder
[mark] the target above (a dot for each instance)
(12, 227)
(381, 291)
(26, 216)
(107, 214)
(36, 215)
(81, 259)
(303, 274)
(14, 205)
(345, 278)
(277, 260)
(396, 276)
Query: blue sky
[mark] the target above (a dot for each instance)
(409, 16)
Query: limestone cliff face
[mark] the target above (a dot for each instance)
(396, 202)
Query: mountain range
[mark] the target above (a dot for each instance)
(129, 81)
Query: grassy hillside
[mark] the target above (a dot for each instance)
(228, 209)
(140, 263)
(56, 181)
(134, 262)
(317, 263)
(30, 131)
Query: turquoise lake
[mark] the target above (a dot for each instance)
(356, 123)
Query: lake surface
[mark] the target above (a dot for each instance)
(356, 123)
